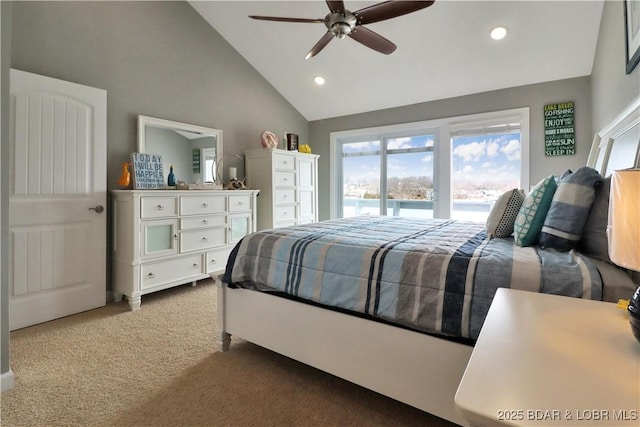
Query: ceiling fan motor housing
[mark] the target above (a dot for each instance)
(340, 24)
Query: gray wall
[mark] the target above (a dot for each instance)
(532, 96)
(612, 89)
(5, 40)
(159, 59)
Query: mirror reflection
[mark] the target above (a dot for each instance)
(192, 150)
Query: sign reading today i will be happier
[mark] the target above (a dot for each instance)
(147, 171)
(559, 129)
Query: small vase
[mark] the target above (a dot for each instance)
(125, 177)
(171, 179)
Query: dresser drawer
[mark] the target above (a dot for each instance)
(217, 260)
(202, 239)
(199, 205)
(285, 195)
(159, 273)
(286, 213)
(285, 179)
(281, 161)
(191, 222)
(158, 207)
(240, 203)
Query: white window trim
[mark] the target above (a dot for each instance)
(441, 130)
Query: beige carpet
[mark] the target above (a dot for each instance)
(157, 367)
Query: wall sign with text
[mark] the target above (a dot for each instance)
(147, 171)
(559, 129)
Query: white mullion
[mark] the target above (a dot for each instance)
(383, 176)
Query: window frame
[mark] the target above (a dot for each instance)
(441, 129)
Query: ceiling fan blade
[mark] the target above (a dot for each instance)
(336, 6)
(388, 9)
(372, 39)
(320, 45)
(276, 18)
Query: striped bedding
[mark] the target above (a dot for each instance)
(434, 276)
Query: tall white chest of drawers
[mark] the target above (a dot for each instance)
(288, 184)
(165, 238)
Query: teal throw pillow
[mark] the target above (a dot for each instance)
(533, 212)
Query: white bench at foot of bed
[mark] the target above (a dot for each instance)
(416, 369)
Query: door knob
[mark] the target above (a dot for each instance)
(98, 209)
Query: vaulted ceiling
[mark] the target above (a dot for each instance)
(443, 51)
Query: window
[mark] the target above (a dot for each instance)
(445, 168)
(387, 176)
(485, 164)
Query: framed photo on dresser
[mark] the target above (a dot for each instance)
(292, 142)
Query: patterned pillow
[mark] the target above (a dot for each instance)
(533, 212)
(569, 210)
(504, 212)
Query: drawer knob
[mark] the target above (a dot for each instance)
(151, 275)
(205, 205)
(160, 207)
(195, 265)
(205, 238)
(240, 203)
(205, 221)
(213, 261)
(285, 179)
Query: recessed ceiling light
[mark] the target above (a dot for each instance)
(498, 33)
(319, 80)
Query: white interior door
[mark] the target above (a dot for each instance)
(57, 222)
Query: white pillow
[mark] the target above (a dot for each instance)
(504, 213)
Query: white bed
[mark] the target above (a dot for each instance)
(425, 369)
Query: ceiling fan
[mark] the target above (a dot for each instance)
(341, 22)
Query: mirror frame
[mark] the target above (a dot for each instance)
(144, 121)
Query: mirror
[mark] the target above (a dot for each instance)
(192, 150)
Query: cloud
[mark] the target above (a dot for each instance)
(511, 149)
(399, 143)
(471, 152)
(492, 149)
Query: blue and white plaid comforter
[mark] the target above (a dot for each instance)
(435, 276)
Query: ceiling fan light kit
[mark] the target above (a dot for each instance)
(341, 23)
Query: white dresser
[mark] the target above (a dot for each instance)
(288, 184)
(165, 238)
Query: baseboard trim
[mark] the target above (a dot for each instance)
(7, 380)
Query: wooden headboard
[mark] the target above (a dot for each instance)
(617, 146)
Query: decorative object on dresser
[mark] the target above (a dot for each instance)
(292, 142)
(624, 231)
(288, 184)
(125, 177)
(232, 182)
(147, 171)
(165, 238)
(269, 139)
